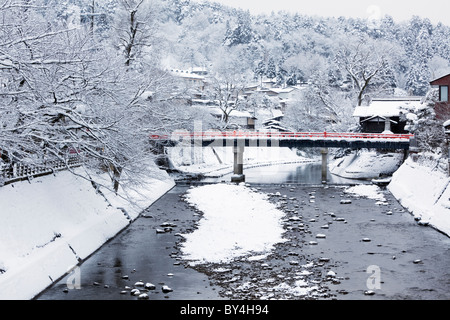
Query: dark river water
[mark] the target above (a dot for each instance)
(309, 173)
(363, 239)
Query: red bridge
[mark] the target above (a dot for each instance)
(241, 139)
(354, 140)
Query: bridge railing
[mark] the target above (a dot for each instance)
(289, 135)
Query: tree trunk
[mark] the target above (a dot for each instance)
(117, 171)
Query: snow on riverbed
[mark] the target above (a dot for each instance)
(237, 221)
(367, 191)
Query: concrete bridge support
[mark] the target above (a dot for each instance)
(238, 170)
(324, 152)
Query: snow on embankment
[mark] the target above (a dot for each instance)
(366, 164)
(220, 159)
(423, 188)
(237, 221)
(47, 225)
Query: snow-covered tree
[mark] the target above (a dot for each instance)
(62, 92)
(242, 33)
(260, 70)
(271, 70)
(364, 61)
(427, 129)
(418, 80)
(135, 28)
(229, 77)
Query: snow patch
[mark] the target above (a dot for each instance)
(300, 288)
(366, 164)
(237, 221)
(367, 191)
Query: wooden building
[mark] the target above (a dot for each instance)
(442, 107)
(385, 114)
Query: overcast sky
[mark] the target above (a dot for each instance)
(435, 10)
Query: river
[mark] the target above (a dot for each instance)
(371, 250)
(303, 174)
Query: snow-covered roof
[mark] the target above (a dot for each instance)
(241, 114)
(186, 74)
(389, 107)
(234, 113)
(283, 90)
(277, 113)
(378, 118)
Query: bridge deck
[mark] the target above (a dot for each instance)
(288, 139)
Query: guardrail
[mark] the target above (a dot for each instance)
(289, 135)
(13, 172)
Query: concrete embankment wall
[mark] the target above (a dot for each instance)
(422, 185)
(50, 224)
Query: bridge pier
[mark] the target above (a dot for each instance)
(238, 167)
(324, 152)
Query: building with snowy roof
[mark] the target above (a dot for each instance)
(386, 114)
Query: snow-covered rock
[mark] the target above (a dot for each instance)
(166, 289)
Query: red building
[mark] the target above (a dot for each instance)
(442, 107)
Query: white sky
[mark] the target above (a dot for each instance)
(435, 10)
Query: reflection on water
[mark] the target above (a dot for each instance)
(309, 173)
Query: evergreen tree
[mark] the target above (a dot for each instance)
(260, 70)
(271, 70)
(418, 81)
(242, 33)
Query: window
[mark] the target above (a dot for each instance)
(443, 93)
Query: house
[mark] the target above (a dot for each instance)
(279, 96)
(386, 114)
(191, 80)
(244, 120)
(442, 107)
(446, 126)
(199, 71)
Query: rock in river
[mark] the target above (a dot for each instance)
(143, 296)
(166, 289)
(150, 286)
(135, 292)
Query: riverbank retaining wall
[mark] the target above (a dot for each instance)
(422, 186)
(50, 224)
